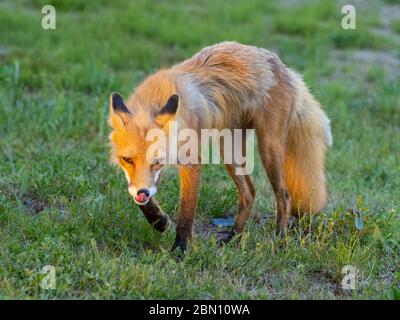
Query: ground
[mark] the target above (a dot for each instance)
(62, 204)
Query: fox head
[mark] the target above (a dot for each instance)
(131, 123)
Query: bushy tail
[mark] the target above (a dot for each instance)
(308, 137)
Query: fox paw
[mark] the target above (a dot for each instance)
(179, 248)
(224, 237)
(162, 223)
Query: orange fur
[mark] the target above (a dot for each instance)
(229, 85)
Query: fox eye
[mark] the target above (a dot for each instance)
(127, 160)
(156, 164)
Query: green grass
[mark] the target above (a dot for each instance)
(62, 204)
(396, 26)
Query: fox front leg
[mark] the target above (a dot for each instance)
(155, 216)
(189, 188)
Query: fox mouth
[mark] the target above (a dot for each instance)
(142, 196)
(141, 199)
(141, 203)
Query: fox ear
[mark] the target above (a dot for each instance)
(117, 103)
(171, 106)
(168, 111)
(118, 107)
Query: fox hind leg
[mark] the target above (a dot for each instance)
(272, 154)
(246, 192)
(245, 189)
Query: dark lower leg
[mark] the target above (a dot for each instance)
(155, 216)
(246, 197)
(282, 209)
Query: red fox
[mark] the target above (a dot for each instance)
(233, 86)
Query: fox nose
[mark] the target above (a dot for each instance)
(145, 191)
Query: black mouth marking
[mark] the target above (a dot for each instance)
(142, 203)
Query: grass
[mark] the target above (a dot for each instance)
(396, 26)
(62, 204)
